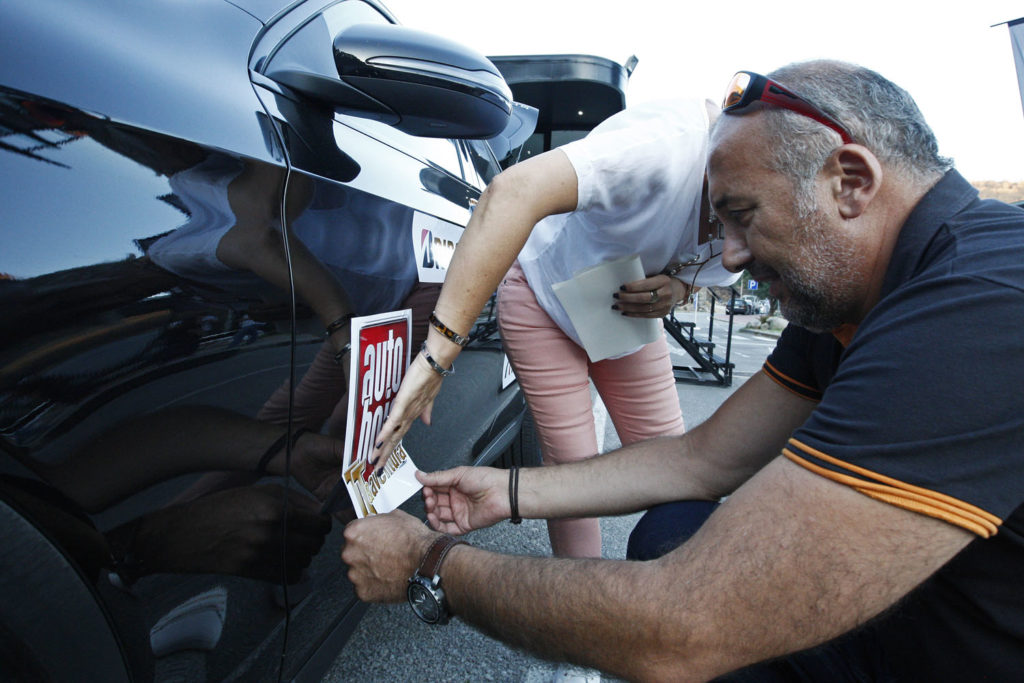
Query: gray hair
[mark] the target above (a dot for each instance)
(876, 112)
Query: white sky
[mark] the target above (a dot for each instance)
(957, 66)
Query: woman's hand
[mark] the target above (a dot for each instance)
(415, 398)
(651, 297)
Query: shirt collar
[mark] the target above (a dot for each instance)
(944, 200)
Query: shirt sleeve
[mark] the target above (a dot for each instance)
(925, 411)
(803, 362)
(648, 164)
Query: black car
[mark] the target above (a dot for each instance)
(158, 335)
(738, 306)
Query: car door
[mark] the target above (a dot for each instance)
(134, 359)
(127, 348)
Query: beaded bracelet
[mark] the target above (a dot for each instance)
(449, 334)
(434, 365)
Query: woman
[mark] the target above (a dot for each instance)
(634, 185)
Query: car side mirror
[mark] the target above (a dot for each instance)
(417, 82)
(439, 88)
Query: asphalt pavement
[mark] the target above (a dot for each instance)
(391, 644)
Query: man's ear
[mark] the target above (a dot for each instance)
(856, 179)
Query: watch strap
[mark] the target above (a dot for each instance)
(430, 566)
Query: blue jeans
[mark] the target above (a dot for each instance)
(665, 527)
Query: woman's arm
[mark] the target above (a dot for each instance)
(511, 205)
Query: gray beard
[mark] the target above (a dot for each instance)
(820, 297)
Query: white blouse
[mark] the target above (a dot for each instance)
(640, 175)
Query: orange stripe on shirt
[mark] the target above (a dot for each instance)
(781, 378)
(901, 494)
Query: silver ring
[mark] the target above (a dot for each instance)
(654, 295)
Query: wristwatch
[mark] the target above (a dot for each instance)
(426, 597)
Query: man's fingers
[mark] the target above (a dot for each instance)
(438, 478)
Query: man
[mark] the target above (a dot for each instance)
(874, 470)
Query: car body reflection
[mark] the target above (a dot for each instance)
(173, 249)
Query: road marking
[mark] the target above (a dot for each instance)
(600, 419)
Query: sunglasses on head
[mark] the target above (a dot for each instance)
(748, 87)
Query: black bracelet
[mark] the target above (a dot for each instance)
(435, 366)
(340, 355)
(340, 323)
(275, 448)
(449, 334)
(513, 495)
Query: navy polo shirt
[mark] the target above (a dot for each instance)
(924, 409)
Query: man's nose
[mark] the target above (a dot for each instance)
(735, 252)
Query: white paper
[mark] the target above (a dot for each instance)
(374, 494)
(398, 487)
(587, 298)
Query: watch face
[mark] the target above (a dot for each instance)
(424, 603)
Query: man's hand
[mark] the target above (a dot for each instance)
(465, 498)
(415, 398)
(382, 552)
(651, 297)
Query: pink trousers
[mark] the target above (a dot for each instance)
(638, 391)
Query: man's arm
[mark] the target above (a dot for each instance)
(744, 434)
(790, 560)
(712, 460)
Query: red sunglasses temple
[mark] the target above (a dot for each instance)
(780, 97)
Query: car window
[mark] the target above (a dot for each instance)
(438, 152)
(481, 160)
